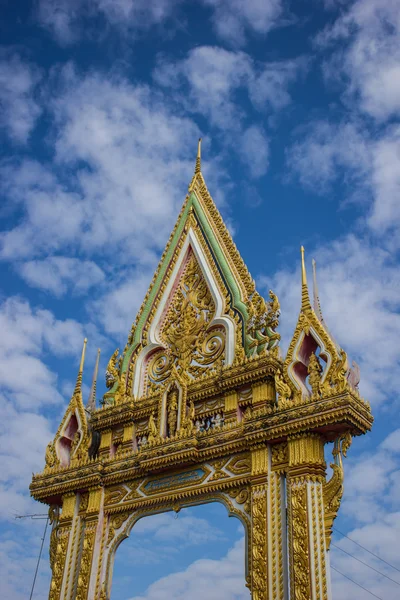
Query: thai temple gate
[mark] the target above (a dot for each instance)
(201, 407)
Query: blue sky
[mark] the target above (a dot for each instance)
(101, 105)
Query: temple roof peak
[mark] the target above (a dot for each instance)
(197, 168)
(91, 403)
(78, 385)
(305, 297)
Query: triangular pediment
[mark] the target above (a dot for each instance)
(243, 322)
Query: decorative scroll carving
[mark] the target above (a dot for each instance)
(192, 347)
(301, 568)
(259, 543)
(242, 496)
(59, 563)
(86, 561)
(333, 489)
(116, 522)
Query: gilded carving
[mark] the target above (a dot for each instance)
(333, 489)
(239, 465)
(86, 562)
(192, 347)
(314, 374)
(242, 496)
(259, 543)
(59, 564)
(301, 568)
(112, 369)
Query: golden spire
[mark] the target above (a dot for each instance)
(316, 302)
(197, 168)
(305, 298)
(78, 385)
(91, 404)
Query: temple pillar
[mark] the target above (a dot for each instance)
(63, 547)
(307, 550)
(87, 584)
(268, 543)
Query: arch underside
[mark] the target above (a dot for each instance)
(220, 497)
(224, 480)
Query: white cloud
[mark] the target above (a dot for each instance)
(31, 407)
(19, 108)
(57, 274)
(328, 153)
(125, 299)
(233, 19)
(325, 151)
(186, 528)
(374, 510)
(367, 55)
(67, 20)
(126, 155)
(212, 579)
(215, 76)
(255, 150)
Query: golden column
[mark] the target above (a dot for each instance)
(307, 554)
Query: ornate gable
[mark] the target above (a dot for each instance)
(193, 338)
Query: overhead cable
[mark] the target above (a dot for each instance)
(366, 549)
(355, 583)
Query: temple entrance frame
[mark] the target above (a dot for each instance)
(216, 413)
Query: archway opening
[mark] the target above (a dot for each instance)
(197, 553)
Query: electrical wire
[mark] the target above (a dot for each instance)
(366, 564)
(366, 549)
(355, 583)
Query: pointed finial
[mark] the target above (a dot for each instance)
(91, 403)
(305, 298)
(316, 302)
(78, 384)
(198, 158)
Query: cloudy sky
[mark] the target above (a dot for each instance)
(101, 105)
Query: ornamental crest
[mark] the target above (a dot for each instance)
(193, 345)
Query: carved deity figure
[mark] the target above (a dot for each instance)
(75, 443)
(153, 433)
(314, 374)
(172, 412)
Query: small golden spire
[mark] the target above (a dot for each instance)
(316, 302)
(78, 384)
(91, 404)
(305, 298)
(198, 158)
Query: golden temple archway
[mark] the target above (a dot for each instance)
(201, 407)
(178, 554)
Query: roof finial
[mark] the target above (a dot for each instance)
(91, 403)
(78, 384)
(305, 298)
(198, 158)
(316, 302)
